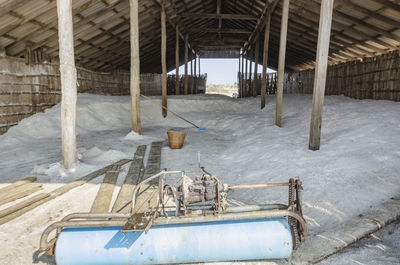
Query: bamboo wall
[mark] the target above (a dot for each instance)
(195, 86)
(289, 86)
(372, 78)
(26, 89)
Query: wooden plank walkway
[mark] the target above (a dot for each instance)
(148, 195)
(123, 203)
(16, 184)
(20, 192)
(153, 164)
(25, 206)
(102, 201)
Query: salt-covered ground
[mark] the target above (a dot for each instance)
(381, 248)
(357, 167)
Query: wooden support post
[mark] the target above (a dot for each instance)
(164, 60)
(246, 73)
(177, 62)
(68, 82)
(199, 67)
(256, 54)
(325, 22)
(242, 78)
(250, 75)
(186, 65)
(265, 58)
(191, 77)
(195, 65)
(135, 66)
(195, 77)
(281, 64)
(239, 74)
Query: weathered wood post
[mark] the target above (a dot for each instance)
(68, 83)
(242, 77)
(177, 62)
(186, 65)
(163, 61)
(191, 77)
(199, 67)
(265, 58)
(281, 64)
(246, 74)
(325, 22)
(256, 54)
(195, 77)
(239, 74)
(250, 74)
(135, 66)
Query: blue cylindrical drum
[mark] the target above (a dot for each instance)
(178, 243)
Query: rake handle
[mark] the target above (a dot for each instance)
(177, 115)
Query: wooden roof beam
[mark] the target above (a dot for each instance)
(54, 25)
(372, 14)
(393, 5)
(344, 31)
(309, 28)
(218, 16)
(269, 7)
(228, 31)
(339, 16)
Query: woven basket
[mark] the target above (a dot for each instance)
(176, 139)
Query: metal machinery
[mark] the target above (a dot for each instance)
(191, 222)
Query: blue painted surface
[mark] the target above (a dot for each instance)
(201, 242)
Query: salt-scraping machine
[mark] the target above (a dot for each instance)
(191, 221)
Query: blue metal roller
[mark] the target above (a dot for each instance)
(167, 244)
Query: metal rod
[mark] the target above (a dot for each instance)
(252, 186)
(148, 180)
(170, 220)
(43, 239)
(251, 208)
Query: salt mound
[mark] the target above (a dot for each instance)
(96, 155)
(92, 152)
(133, 136)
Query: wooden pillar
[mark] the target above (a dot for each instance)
(242, 77)
(177, 80)
(281, 64)
(163, 61)
(256, 54)
(239, 73)
(195, 76)
(325, 22)
(250, 75)
(135, 67)
(246, 73)
(265, 59)
(199, 67)
(186, 66)
(68, 82)
(191, 77)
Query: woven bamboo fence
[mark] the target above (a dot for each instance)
(371, 78)
(199, 83)
(26, 89)
(289, 86)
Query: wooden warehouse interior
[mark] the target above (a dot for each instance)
(100, 100)
(119, 35)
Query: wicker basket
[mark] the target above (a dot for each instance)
(176, 139)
